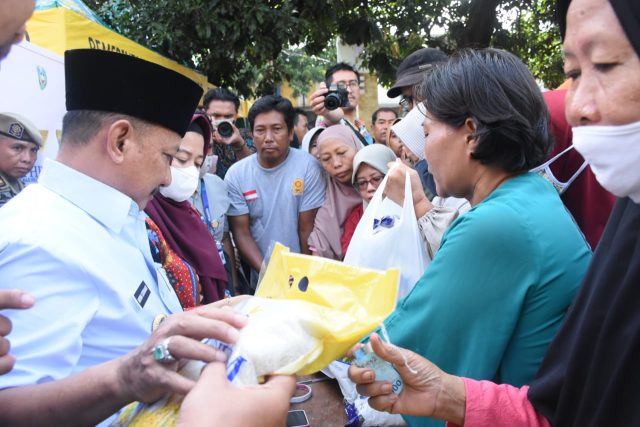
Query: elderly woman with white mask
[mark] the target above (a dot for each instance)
(589, 376)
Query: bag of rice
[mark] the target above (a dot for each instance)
(307, 312)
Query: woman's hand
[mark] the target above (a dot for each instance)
(395, 188)
(427, 390)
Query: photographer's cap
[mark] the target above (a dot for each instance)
(99, 80)
(17, 127)
(413, 67)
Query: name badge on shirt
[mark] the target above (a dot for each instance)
(142, 294)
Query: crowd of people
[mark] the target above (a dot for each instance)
(161, 207)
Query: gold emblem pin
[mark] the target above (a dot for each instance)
(298, 186)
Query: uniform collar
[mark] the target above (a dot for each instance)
(102, 202)
(14, 184)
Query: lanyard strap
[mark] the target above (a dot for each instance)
(205, 206)
(208, 219)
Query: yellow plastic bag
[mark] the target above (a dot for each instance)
(342, 303)
(336, 303)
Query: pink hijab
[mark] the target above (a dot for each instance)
(339, 199)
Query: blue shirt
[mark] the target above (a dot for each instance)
(80, 247)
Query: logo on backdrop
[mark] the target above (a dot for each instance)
(42, 77)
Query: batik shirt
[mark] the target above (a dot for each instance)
(226, 155)
(181, 275)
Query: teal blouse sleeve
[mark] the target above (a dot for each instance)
(464, 309)
(489, 303)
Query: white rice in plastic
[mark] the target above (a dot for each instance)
(274, 338)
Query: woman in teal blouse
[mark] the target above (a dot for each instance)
(496, 292)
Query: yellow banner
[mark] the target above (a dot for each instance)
(61, 29)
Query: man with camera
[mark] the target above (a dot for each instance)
(221, 105)
(337, 100)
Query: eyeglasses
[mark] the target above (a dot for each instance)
(351, 83)
(375, 181)
(406, 102)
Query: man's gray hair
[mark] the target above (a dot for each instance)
(81, 126)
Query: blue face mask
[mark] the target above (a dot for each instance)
(544, 170)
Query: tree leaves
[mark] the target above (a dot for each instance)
(250, 46)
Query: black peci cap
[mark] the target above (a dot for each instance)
(412, 68)
(99, 80)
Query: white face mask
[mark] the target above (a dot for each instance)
(544, 170)
(209, 164)
(613, 152)
(184, 182)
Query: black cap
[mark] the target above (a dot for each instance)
(99, 80)
(412, 69)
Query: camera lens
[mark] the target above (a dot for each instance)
(332, 101)
(225, 129)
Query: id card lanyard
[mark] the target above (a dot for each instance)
(208, 219)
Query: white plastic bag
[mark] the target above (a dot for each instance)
(357, 408)
(388, 236)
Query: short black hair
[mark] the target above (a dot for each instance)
(374, 117)
(272, 103)
(221, 94)
(81, 126)
(328, 76)
(297, 113)
(496, 90)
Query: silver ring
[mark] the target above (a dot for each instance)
(161, 353)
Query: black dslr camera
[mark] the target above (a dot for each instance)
(225, 129)
(336, 97)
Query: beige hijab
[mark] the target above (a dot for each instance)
(339, 199)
